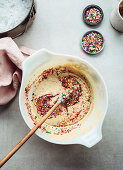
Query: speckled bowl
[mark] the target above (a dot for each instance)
(91, 129)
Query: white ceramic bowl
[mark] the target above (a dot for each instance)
(92, 128)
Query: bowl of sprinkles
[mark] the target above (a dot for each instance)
(93, 15)
(92, 42)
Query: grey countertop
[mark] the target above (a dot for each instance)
(58, 27)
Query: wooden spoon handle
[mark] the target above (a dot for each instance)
(11, 153)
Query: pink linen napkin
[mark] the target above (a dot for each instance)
(11, 58)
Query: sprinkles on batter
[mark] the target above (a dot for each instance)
(92, 42)
(67, 116)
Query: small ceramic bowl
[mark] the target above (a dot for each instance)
(93, 23)
(87, 34)
(91, 129)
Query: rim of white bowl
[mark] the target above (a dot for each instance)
(46, 137)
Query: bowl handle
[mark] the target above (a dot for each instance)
(91, 138)
(33, 61)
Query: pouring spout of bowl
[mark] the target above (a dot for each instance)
(91, 138)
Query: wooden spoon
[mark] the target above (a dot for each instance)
(32, 131)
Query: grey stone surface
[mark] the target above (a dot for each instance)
(58, 26)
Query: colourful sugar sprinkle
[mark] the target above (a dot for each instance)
(92, 42)
(93, 15)
(42, 103)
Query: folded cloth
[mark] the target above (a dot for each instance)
(11, 58)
